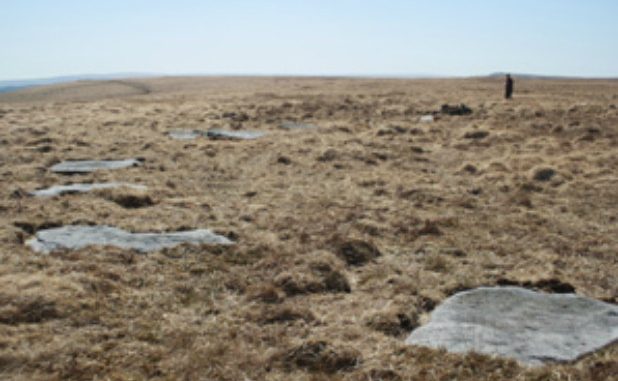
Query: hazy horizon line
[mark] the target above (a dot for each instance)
(130, 74)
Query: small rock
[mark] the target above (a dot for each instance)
(426, 119)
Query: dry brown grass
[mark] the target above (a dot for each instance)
(520, 192)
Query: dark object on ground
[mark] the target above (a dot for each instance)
(131, 201)
(480, 134)
(544, 174)
(508, 87)
(357, 253)
(461, 109)
(216, 133)
(284, 160)
(551, 285)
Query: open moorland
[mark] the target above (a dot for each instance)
(347, 235)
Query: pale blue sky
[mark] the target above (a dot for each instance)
(42, 38)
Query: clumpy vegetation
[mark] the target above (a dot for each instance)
(348, 235)
(128, 200)
(356, 253)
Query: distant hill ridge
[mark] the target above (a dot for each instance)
(542, 76)
(14, 85)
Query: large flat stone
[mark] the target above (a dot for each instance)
(58, 190)
(217, 133)
(77, 237)
(86, 166)
(528, 326)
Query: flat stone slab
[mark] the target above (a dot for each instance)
(296, 126)
(217, 133)
(77, 236)
(58, 190)
(528, 326)
(426, 119)
(86, 166)
(185, 134)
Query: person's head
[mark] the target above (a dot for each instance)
(508, 76)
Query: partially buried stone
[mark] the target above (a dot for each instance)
(86, 166)
(426, 118)
(296, 126)
(528, 326)
(234, 135)
(58, 190)
(77, 237)
(184, 134)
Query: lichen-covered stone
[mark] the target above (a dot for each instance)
(217, 133)
(521, 324)
(77, 237)
(58, 190)
(85, 166)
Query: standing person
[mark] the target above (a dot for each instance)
(508, 94)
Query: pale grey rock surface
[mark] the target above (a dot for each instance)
(185, 134)
(78, 236)
(296, 126)
(217, 133)
(427, 118)
(86, 166)
(58, 190)
(528, 326)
